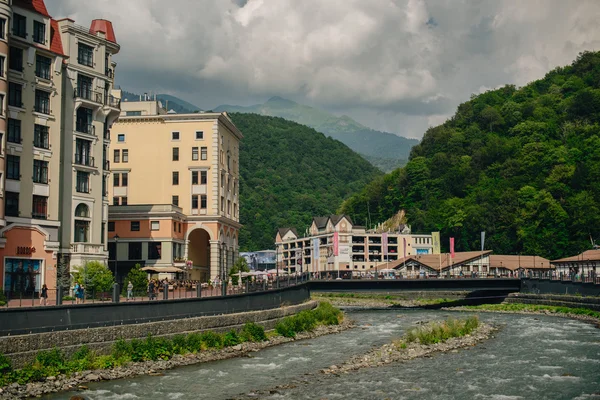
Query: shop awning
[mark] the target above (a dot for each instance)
(163, 269)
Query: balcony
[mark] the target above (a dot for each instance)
(83, 92)
(109, 72)
(106, 165)
(113, 101)
(85, 128)
(84, 159)
(86, 248)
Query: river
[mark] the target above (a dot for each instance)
(532, 357)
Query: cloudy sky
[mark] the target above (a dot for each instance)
(394, 65)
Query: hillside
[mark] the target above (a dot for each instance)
(290, 173)
(173, 103)
(522, 164)
(384, 150)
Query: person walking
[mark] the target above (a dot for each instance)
(78, 293)
(129, 291)
(151, 290)
(44, 295)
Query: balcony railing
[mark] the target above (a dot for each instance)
(85, 128)
(84, 159)
(83, 92)
(86, 248)
(106, 165)
(109, 72)
(112, 101)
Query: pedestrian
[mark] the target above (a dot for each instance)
(78, 293)
(44, 295)
(151, 290)
(129, 291)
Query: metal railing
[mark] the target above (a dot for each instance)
(90, 129)
(84, 92)
(113, 101)
(84, 159)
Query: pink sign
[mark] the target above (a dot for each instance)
(336, 244)
(451, 247)
(384, 239)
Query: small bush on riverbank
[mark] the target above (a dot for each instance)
(252, 332)
(519, 307)
(437, 332)
(324, 314)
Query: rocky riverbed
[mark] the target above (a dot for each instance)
(78, 379)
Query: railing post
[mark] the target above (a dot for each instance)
(223, 288)
(166, 291)
(59, 295)
(116, 293)
(247, 286)
(198, 290)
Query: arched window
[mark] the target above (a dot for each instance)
(82, 226)
(82, 210)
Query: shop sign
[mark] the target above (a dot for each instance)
(26, 251)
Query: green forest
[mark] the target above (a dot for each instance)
(290, 173)
(522, 164)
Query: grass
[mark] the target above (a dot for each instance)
(437, 332)
(519, 307)
(54, 362)
(390, 297)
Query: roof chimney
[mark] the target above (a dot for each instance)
(104, 26)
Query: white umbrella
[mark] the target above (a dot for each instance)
(387, 271)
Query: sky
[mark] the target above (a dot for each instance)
(399, 66)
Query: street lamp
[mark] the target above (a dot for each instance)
(116, 237)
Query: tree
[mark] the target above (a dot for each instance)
(241, 265)
(95, 277)
(138, 278)
(491, 117)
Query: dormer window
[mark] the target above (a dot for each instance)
(39, 32)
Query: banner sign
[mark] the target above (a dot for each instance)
(336, 244)
(435, 237)
(384, 248)
(316, 255)
(482, 240)
(404, 240)
(451, 247)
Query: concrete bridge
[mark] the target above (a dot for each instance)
(498, 285)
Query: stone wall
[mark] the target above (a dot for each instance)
(547, 286)
(22, 348)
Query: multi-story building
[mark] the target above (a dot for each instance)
(189, 161)
(334, 244)
(39, 60)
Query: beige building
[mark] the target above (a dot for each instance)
(335, 244)
(52, 212)
(186, 160)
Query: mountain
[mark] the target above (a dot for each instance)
(521, 164)
(290, 173)
(170, 102)
(384, 150)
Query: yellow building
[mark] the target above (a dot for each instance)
(189, 161)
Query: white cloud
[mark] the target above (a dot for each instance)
(398, 65)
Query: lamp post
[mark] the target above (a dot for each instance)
(116, 237)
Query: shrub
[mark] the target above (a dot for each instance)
(194, 342)
(104, 362)
(437, 332)
(231, 338)
(285, 328)
(327, 314)
(252, 332)
(5, 364)
(121, 349)
(179, 344)
(212, 340)
(52, 358)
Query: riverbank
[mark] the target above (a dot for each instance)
(112, 368)
(411, 300)
(580, 314)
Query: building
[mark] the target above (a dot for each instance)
(51, 219)
(189, 161)
(465, 263)
(507, 264)
(586, 264)
(335, 244)
(262, 260)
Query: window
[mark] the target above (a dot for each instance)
(40, 207)
(175, 201)
(125, 155)
(228, 206)
(199, 135)
(2, 28)
(116, 180)
(41, 136)
(135, 250)
(194, 177)
(194, 153)
(175, 153)
(223, 179)
(111, 226)
(40, 171)
(14, 131)
(83, 149)
(203, 175)
(133, 113)
(83, 182)
(124, 179)
(124, 200)
(42, 66)
(175, 178)
(117, 156)
(135, 226)
(179, 226)
(203, 153)
(13, 167)
(2, 60)
(203, 201)
(42, 101)
(11, 206)
(195, 202)
(174, 135)
(121, 137)
(19, 25)
(84, 120)
(39, 32)
(154, 250)
(155, 225)
(174, 226)
(82, 231)
(15, 94)
(85, 55)
(115, 201)
(15, 59)
(222, 204)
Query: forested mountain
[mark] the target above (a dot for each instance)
(290, 173)
(522, 164)
(170, 102)
(384, 150)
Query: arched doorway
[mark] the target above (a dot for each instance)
(199, 254)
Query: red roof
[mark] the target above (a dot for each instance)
(104, 26)
(37, 6)
(55, 40)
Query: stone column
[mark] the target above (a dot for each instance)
(214, 259)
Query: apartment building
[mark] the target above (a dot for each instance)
(42, 207)
(189, 161)
(335, 244)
